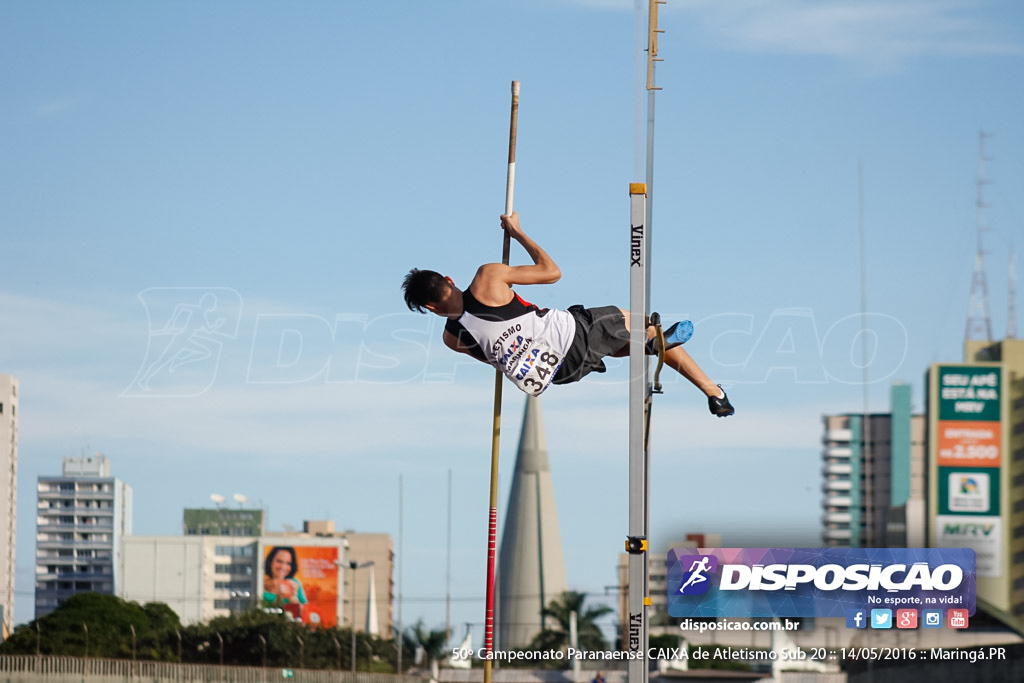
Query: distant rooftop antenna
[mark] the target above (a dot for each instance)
(1011, 321)
(240, 499)
(217, 499)
(978, 319)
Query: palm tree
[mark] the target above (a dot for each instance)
(556, 615)
(432, 641)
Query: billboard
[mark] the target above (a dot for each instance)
(969, 444)
(967, 462)
(303, 581)
(981, 534)
(969, 393)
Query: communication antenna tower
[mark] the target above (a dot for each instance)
(979, 322)
(1011, 321)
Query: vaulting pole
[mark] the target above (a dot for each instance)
(492, 522)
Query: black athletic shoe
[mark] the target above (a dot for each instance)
(720, 407)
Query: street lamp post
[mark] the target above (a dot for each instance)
(263, 643)
(220, 639)
(85, 627)
(354, 566)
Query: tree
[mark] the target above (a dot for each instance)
(433, 641)
(555, 635)
(246, 639)
(321, 647)
(105, 623)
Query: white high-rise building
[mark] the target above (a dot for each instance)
(82, 519)
(874, 477)
(8, 497)
(199, 577)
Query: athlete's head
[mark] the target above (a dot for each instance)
(424, 288)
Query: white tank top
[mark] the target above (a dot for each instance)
(525, 342)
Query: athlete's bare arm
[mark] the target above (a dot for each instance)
(453, 343)
(493, 281)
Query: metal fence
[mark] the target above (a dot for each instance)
(32, 668)
(45, 669)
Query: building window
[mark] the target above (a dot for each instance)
(240, 586)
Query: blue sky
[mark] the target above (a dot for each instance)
(296, 159)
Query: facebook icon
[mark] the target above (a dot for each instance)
(856, 618)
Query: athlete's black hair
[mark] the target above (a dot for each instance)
(270, 560)
(422, 287)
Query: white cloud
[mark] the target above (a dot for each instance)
(75, 360)
(855, 30)
(879, 32)
(54, 107)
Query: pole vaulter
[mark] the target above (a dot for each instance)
(536, 347)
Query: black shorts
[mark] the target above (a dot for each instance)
(600, 332)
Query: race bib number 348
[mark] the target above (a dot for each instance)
(535, 370)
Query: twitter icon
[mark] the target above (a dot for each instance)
(881, 618)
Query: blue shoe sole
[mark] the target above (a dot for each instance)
(679, 333)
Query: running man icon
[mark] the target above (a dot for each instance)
(187, 330)
(697, 570)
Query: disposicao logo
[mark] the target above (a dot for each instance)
(762, 582)
(696, 580)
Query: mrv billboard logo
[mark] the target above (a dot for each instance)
(763, 582)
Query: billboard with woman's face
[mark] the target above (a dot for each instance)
(303, 581)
